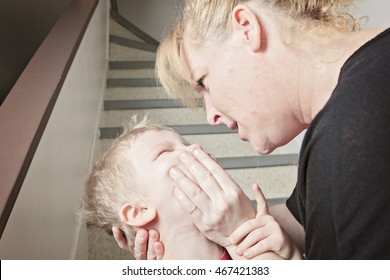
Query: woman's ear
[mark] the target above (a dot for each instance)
(137, 215)
(247, 26)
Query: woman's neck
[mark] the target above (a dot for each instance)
(323, 59)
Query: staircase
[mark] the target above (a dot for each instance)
(132, 89)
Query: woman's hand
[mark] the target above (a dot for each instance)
(147, 245)
(263, 234)
(216, 204)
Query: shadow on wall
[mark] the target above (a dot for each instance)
(23, 26)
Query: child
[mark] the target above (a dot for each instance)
(130, 188)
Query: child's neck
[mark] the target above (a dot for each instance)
(187, 242)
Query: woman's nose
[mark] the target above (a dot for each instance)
(213, 115)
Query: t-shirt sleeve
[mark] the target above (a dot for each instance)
(292, 205)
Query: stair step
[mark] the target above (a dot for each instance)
(132, 43)
(135, 93)
(257, 161)
(166, 116)
(118, 53)
(195, 129)
(143, 104)
(119, 30)
(129, 82)
(127, 65)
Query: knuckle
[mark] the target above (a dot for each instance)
(205, 175)
(233, 197)
(223, 208)
(195, 193)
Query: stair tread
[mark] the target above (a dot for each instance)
(144, 104)
(134, 93)
(117, 53)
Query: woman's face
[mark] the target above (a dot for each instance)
(243, 89)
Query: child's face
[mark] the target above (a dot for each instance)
(153, 154)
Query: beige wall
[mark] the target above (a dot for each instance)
(151, 16)
(377, 12)
(43, 224)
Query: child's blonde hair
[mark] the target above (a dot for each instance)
(210, 22)
(111, 182)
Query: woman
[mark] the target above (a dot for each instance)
(272, 69)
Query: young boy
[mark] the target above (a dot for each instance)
(130, 188)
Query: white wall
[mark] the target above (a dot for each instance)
(377, 11)
(43, 224)
(151, 16)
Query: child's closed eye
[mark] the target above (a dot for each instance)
(162, 152)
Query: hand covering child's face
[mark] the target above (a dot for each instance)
(153, 154)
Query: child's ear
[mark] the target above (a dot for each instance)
(137, 215)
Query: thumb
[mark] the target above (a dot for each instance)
(262, 206)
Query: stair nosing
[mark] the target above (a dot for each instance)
(133, 104)
(132, 82)
(131, 65)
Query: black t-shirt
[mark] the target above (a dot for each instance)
(342, 196)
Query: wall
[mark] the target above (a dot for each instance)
(43, 224)
(151, 16)
(23, 26)
(377, 12)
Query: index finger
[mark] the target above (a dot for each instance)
(224, 180)
(120, 239)
(204, 177)
(141, 244)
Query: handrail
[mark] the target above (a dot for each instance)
(133, 28)
(114, 6)
(27, 108)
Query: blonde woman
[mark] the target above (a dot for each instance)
(271, 69)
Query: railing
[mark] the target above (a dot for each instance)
(27, 108)
(115, 14)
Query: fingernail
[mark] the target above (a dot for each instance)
(196, 152)
(246, 254)
(142, 234)
(174, 172)
(153, 235)
(178, 193)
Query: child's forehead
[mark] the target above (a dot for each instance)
(156, 136)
